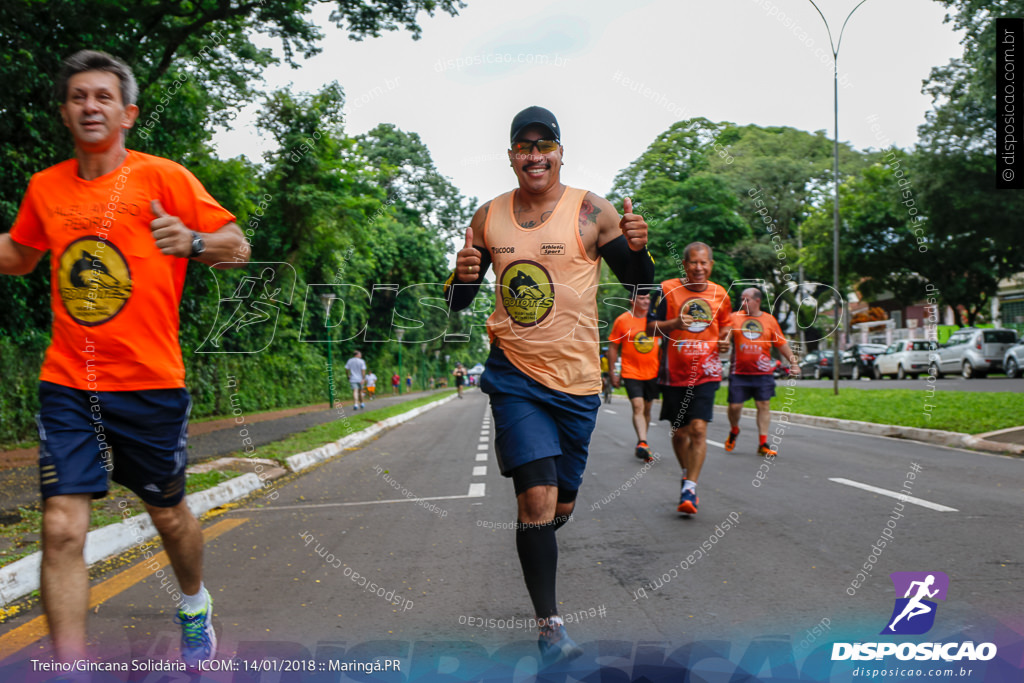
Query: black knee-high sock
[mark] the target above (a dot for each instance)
(538, 556)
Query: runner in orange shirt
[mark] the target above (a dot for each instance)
(694, 316)
(639, 366)
(121, 227)
(754, 334)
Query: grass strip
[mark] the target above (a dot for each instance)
(968, 412)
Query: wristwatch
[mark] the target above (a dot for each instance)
(198, 245)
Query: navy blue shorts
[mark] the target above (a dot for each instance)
(137, 437)
(745, 387)
(682, 405)
(532, 421)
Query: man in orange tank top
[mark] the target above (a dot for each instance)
(121, 227)
(543, 377)
(639, 366)
(693, 316)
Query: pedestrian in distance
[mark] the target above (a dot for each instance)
(752, 375)
(121, 227)
(356, 369)
(396, 381)
(460, 378)
(639, 366)
(693, 317)
(371, 385)
(545, 241)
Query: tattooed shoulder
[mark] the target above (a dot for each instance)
(588, 214)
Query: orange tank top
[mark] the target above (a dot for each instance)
(545, 314)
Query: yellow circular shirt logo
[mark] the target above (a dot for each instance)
(752, 329)
(527, 292)
(700, 310)
(94, 281)
(642, 343)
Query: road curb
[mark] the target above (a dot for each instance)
(302, 461)
(21, 577)
(933, 436)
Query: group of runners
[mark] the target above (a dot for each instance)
(117, 272)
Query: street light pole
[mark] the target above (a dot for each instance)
(328, 299)
(835, 181)
(400, 333)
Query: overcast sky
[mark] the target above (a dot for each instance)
(617, 76)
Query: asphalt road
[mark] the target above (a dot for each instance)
(282, 571)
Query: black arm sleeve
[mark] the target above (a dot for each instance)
(460, 295)
(632, 268)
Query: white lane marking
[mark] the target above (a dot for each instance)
(715, 443)
(609, 410)
(484, 438)
(892, 494)
(485, 432)
(480, 471)
(475, 491)
(481, 456)
(482, 447)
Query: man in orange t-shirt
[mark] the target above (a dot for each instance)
(120, 226)
(754, 334)
(639, 365)
(694, 316)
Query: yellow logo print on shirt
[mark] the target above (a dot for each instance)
(642, 343)
(752, 329)
(527, 292)
(94, 281)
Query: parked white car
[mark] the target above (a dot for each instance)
(905, 357)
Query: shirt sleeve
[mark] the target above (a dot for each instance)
(28, 227)
(724, 315)
(778, 339)
(185, 197)
(617, 335)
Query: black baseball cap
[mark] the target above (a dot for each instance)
(535, 116)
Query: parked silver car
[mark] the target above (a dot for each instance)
(905, 357)
(973, 352)
(1013, 361)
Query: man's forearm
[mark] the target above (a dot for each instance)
(225, 248)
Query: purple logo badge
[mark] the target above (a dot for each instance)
(914, 611)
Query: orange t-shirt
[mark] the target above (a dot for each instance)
(753, 337)
(639, 352)
(114, 296)
(545, 316)
(690, 356)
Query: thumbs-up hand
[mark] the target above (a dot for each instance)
(633, 226)
(467, 261)
(172, 237)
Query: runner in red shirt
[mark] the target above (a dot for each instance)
(754, 334)
(694, 317)
(639, 365)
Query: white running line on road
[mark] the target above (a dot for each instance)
(609, 410)
(482, 447)
(892, 494)
(475, 491)
(715, 443)
(480, 471)
(481, 456)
